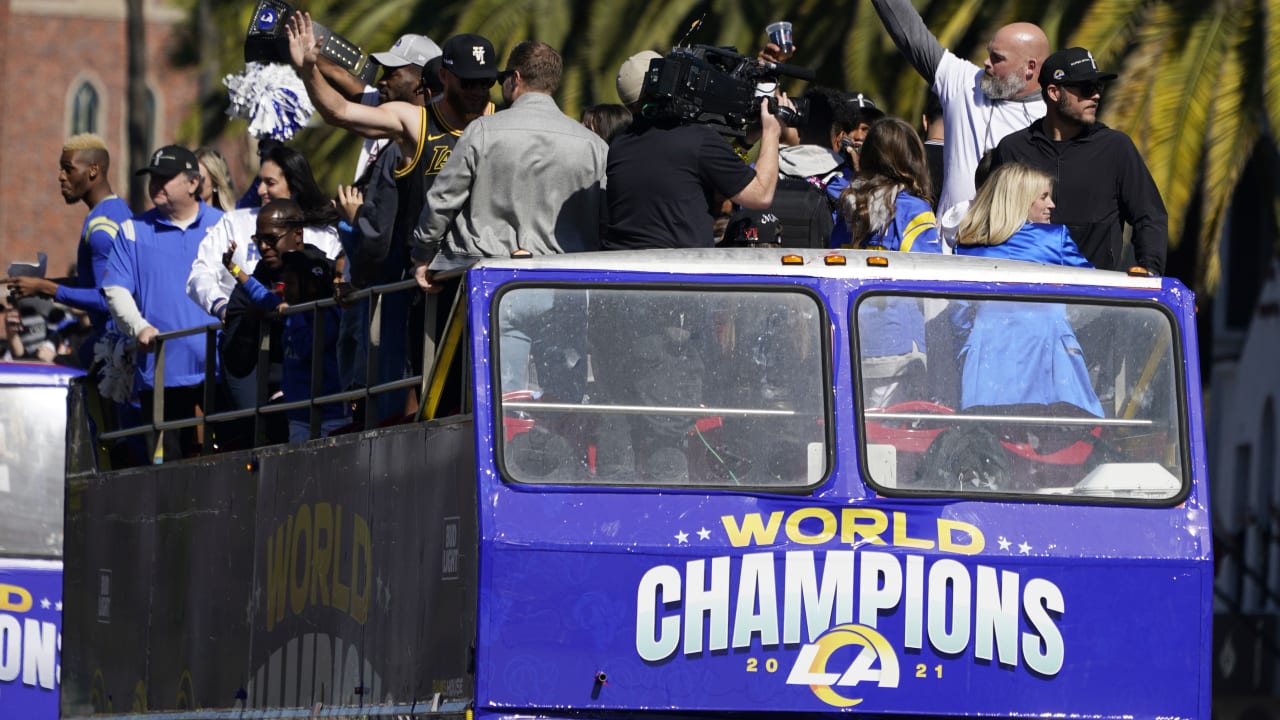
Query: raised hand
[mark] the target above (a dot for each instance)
(348, 202)
(304, 47)
(227, 261)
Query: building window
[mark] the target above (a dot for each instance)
(85, 109)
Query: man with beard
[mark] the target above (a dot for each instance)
(82, 175)
(1100, 182)
(980, 105)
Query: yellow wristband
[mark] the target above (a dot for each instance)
(235, 271)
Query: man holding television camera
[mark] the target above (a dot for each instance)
(666, 177)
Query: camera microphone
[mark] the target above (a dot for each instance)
(795, 71)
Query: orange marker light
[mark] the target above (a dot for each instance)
(835, 260)
(877, 261)
(792, 260)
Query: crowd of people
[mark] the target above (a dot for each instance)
(1010, 162)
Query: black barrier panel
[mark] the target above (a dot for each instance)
(340, 572)
(203, 585)
(431, 599)
(110, 547)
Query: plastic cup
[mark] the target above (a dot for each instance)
(780, 34)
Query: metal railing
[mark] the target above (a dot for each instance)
(435, 356)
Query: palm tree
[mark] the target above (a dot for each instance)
(1199, 90)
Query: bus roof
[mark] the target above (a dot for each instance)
(769, 261)
(37, 374)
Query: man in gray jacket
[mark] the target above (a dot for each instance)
(527, 180)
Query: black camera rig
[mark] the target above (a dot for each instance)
(715, 86)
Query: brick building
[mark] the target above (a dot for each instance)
(64, 64)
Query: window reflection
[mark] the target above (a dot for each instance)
(1019, 397)
(664, 387)
(32, 425)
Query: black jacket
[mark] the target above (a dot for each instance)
(238, 341)
(1100, 182)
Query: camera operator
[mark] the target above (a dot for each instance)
(665, 175)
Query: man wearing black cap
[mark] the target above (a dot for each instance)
(426, 136)
(145, 285)
(1100, 180)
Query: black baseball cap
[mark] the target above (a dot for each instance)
(169, 161)
(753, 228)
(1073, 66)
(470, 57)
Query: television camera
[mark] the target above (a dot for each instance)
(716, 86)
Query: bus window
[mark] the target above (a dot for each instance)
(32, 422)
(1019, 397)
(661, 386)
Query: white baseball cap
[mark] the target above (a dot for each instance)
(409, 49)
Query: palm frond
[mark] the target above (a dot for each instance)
(1180, 114)
(1270, 12)
(1233, 133)
(1106, 29)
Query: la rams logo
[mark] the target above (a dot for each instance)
(843, 657)
(267, 19)
(1058, 74)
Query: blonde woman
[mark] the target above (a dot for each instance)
(1021, 354)
(1010, 219)
(217, 189)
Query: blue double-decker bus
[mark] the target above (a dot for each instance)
(723, 483)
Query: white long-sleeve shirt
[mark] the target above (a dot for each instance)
(210, 284)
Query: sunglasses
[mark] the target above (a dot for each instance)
(1088, 89)
(505, 75)
(267, 238)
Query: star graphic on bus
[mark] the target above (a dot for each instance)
(1004, 543)
(45, 604)
(682, 538)
(1024, 548)
(704, 534)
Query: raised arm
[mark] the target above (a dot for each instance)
(394, 120)
(911, 35)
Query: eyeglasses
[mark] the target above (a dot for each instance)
(268, 238)
(1088, 89)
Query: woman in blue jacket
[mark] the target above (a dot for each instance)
(1021, 353)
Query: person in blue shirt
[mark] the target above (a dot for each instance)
(887, 208)
(83, 171)
(145, 288)
(1021, 353)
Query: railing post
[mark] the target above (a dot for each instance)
(317, 369)
(157, 403)
(210, 385)
(262, 381)
(372, 354)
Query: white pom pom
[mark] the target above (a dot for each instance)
(272, 98)
(119, 360)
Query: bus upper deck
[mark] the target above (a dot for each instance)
(699, 482)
